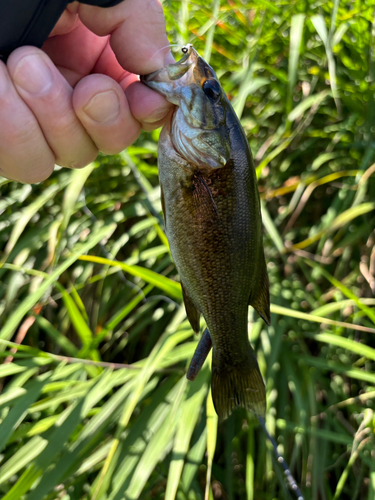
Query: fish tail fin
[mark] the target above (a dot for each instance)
(238, 385)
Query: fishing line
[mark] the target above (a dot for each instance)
(180, 45)
(165, 47)
(281, 460)
(164, 298)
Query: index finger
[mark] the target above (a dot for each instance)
(137, 29)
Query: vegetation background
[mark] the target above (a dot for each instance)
(87, 274)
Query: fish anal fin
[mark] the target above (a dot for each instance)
(200, 355)
(260, 299)
(191, 311)
(237, 385)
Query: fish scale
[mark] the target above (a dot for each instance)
(213, 224)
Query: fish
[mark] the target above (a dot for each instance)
(212, 215)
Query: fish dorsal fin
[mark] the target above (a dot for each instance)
(192, 312)
(260, 299)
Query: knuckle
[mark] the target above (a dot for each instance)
(65, 124)
(22, 140)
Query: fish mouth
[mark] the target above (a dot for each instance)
(172, 76)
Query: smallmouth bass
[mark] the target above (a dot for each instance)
(213, 224)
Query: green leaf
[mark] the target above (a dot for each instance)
(320, 26)
(212, 423)
(275, 309)
(354, 373)
(166, 284)
(12, 394)
(296, 32)
(10, 369)
(64, 426)
(307, 103)
(29, 302)
(271, 229)
(351, 345)
(339, 33)
(77, 180)
(147, 423)
(345, 290)
(80, 325)
(20, 409)
(21, 459)
(30, 211)
(338, 222)
(162, 347)
(158, 446)
(56, 336)
(211, 32)
(186, 421)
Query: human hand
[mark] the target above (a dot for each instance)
(65, 102)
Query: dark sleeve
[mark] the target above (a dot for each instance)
(29, 22)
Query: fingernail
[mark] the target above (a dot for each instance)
(157, 115)
(33, 75)
(104, 107)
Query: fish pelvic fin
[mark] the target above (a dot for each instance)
(191, 311)
(237, 385)
(260, 298)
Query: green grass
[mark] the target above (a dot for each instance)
(87, 276)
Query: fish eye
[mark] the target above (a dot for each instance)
(212, 89)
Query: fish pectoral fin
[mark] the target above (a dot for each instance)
(203, 195)
(191, 311)
(200, 355)
(240, 384)
(260, 298)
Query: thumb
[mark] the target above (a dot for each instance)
(137, 29)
